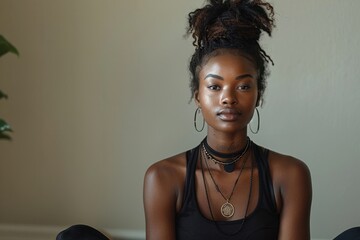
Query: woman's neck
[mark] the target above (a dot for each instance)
(227, 143)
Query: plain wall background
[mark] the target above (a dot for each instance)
(100, 92)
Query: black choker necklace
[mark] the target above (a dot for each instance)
(229, 166)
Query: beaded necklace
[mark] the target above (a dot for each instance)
(229, 166)
(225, 208)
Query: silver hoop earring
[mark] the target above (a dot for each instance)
(197, 111)
(258, 123)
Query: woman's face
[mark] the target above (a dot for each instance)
(228, 92)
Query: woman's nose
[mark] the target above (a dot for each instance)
(228, 97)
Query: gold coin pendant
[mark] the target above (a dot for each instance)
(227, 210)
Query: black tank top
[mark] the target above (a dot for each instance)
(261, 224)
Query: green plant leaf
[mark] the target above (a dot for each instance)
(6, 46)
(4, 127)
(4, 136)
(3, 95)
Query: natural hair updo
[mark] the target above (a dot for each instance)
(236, 25)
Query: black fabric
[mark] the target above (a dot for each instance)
(349, 234)
(261, 224)
(81, 232)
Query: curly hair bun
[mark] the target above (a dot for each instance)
(237, 21)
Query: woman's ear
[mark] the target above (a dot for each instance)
(258, 100)
(196, 98)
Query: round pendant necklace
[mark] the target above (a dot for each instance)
(231, 208)
(229, 166)
(227, 209)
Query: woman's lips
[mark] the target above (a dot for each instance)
(228, 114)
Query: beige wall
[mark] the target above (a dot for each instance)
(101, 89)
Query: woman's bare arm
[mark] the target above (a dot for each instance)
(296, 194)
(161, 192)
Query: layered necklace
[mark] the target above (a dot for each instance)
(227, 209)
(229, 165)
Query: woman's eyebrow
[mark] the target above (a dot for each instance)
(210, 75)
(244, 76)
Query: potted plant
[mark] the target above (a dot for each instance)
(5, 47)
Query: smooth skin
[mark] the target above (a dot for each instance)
(227, 96)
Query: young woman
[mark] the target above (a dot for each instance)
(228, 187)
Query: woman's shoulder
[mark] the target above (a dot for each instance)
(167, 170)
(287, 170)
(291, 180)
(286, 163)
(281, 162)
(173, 163)
(162, 194)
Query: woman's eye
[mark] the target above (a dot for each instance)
(244, 87)
(214, 87)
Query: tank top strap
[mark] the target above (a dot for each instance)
(189, 187)
(266, 186)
